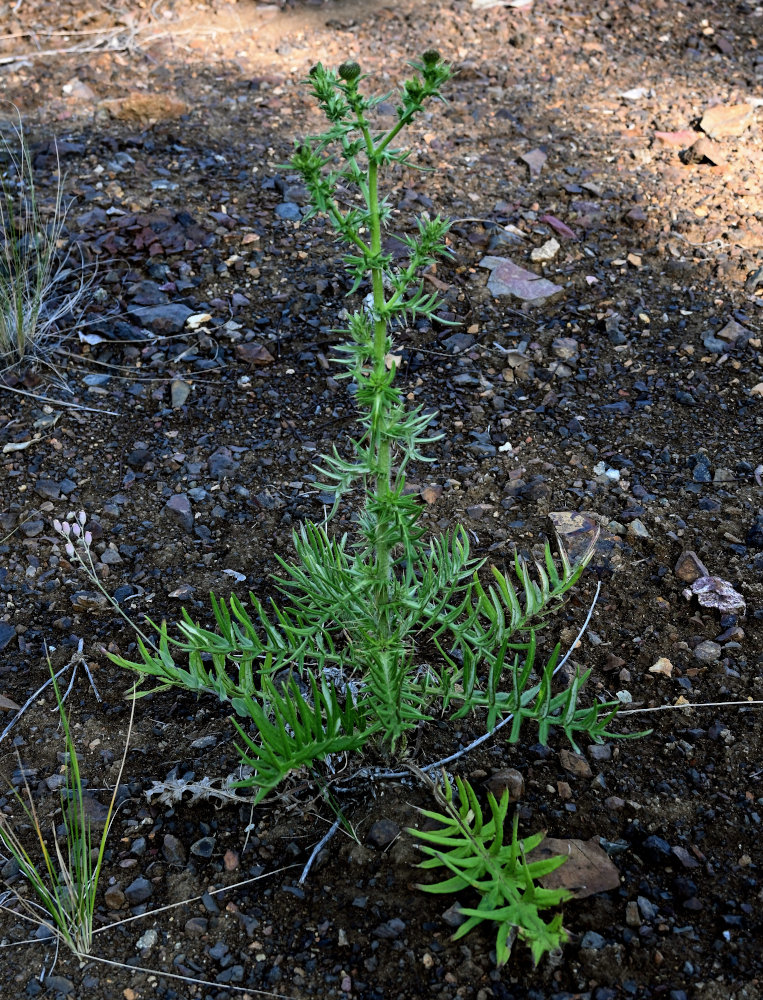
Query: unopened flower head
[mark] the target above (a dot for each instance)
(431, 56)
(349, 71)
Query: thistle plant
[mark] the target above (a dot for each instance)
(376, 634)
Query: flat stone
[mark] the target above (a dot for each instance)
(507, 278)
(196, 927)
(179, 392)
(254, 354)
(727, 120)
(47, 488)
(690, 567)
(707, 652)
(163, 318)
(204, 847)
(733, 331)
(575, 764)
(289, 210)
(59, 984)
(677, 140)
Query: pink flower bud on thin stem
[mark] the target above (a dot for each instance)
(69, 550)
(82, 517)
(88, 538)
(76, 530)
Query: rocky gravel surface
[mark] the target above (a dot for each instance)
(601, 164)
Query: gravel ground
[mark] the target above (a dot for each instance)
(612, 149)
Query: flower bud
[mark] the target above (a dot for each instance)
(69, 550)
(66, 529)
(349, 71)
(430, 57)
(82, 517)
(76, 530)
(88, 538)
(57, 525)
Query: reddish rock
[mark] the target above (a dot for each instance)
(678, 140)
(255, 354)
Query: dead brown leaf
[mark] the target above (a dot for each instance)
(587, 870)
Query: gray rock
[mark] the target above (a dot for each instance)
(637, 530)
(382, 833)
(565, 348)
(59, 984)
(47, 488)
(173, 850)
(138, 458)
(32, 528)
(222, 464)
(390, 929)
(204, 847)
(7, 632)
(196, 927)
(707, 651)
(97, 379)
(593, 941)
(138, 891)
(162, 319)
(289, 210)
(179, 507)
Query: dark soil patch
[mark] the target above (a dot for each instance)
(631, 396)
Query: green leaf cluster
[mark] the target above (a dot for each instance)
(474, 852)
